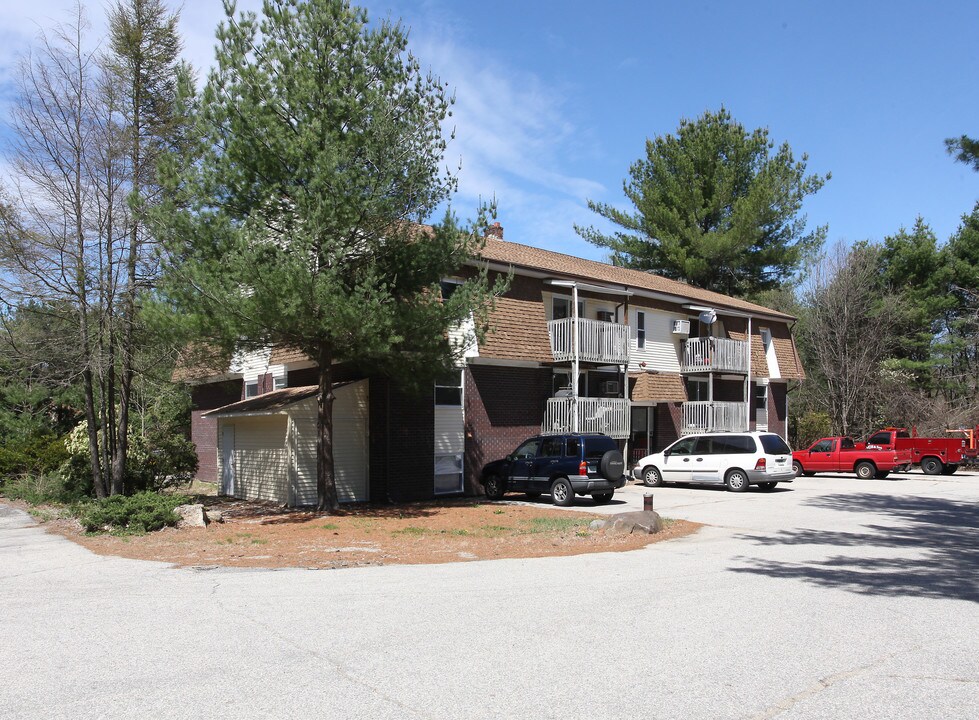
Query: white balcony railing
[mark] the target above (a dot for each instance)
(598, 341)
(712, 415)
(709, 354)
(603, 415)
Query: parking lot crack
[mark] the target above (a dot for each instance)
(821, 685)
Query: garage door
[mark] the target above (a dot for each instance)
(350, 448)
(260, 458)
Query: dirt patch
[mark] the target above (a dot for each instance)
(266, 536)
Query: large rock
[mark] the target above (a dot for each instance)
(191, 515)
(641, 521)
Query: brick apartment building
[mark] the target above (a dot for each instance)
(655, 358)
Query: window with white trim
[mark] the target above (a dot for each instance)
(251, 389)
(640, 330)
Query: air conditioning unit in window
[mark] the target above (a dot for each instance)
(610, 387)
(681, 327)
(606, 316)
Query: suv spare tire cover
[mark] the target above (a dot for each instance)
(611, 466)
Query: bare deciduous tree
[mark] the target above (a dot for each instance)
(847, 336)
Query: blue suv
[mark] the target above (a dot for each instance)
(562, 465)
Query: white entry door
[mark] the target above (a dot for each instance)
(228, 460)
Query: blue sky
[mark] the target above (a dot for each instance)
(556, 99)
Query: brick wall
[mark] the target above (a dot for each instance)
(669, 419)
(402, 443)
(504, 405)
(204, 431)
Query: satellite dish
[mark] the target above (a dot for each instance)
(708, 317)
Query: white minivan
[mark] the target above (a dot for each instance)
(735, 459)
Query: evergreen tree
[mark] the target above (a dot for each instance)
(144, 60)
(965, 150)
(714, 207)
(294, 221)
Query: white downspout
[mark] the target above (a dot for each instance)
(747, 386)
(575, 368)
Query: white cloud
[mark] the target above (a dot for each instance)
(511, 127)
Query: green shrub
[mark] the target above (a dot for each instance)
(139, 513)
(36, 454)
(809, 428)
(160, 459)
(35, 489)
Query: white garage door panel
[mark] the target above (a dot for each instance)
(350, 449)
(261, 459)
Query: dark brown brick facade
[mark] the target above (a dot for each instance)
(402, 443)
(504, 405)
(204, 431)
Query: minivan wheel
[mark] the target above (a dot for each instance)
(602, 498)
(562, 493)
(493, 485)
(736, 480)
(651, 477)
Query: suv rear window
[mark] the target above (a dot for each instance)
(595, 447)
(774, 445)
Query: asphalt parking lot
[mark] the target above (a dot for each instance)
(831, 598)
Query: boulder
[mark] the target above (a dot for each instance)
(191, 515)
(641, 521)
(214, 516)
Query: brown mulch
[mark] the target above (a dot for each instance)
(268, 536)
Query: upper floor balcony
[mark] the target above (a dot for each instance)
(710, 354)
(712, 415)
(589, 415)
(598, 341)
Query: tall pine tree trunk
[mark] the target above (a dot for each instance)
(326, 482)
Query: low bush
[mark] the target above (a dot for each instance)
(35, 489)
(139, 513)
(36, 455)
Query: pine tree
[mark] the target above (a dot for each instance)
(294, 221)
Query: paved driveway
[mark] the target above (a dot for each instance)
(834, 598)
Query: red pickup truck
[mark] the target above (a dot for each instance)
(841, 454)
(935, 455)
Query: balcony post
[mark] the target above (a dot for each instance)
(575, 362)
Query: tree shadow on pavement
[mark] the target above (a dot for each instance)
(941, 538)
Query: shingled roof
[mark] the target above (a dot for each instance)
(525, 256)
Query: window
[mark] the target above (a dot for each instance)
(561, 308)
(640, 330)
(698, 389)
(562, 381)
(552, 447)
(448, 474)
(251, 389)
(733, 445)
(448, 391)
(448, 287)
(774, 445)
(527, 451)
(574, 447)
(823, 446)
(766, 337)
(683, 447)
(279, 383)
